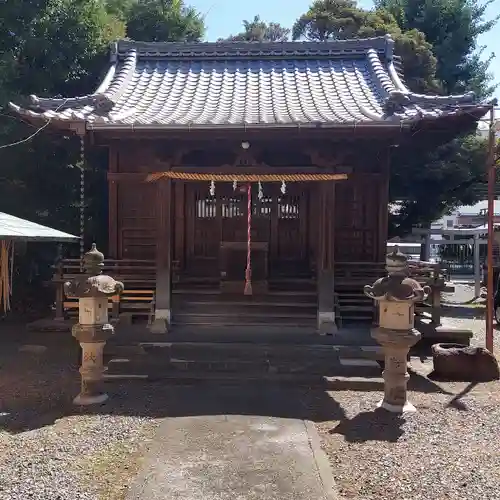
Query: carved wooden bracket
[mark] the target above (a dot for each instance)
(163, 165)
(320, 159)
(245, 158)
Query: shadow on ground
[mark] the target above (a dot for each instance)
(375, 425)
(38, 393)
(463, 312)
(37, 389)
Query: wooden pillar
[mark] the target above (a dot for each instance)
(163, 297)
(113, 215)
(383, 202)
(326, 258)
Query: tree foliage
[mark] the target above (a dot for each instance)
(163, 21)
(426, 186)
(454, 174)
(437, 41)
(343, 19)
(54, 48)
(60, 48)
(258, 30)
(452, 27)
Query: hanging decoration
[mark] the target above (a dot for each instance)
(6, 273)
(261, 192)
(82, 200)
(245, 178)
(248, 270)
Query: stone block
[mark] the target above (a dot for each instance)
(459, 362)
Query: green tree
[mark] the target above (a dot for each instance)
(258, 30)
(452, 27)
(427, 186)
(343, 19)
(53, 47)
(455, 173)
(164, 21)
(424, 184)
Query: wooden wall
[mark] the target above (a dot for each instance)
(360, 212)
(132, 224)
(359, 234)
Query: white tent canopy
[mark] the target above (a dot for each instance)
(14, 228)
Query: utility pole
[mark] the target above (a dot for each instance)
(491, 230)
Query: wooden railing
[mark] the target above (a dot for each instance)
(138, 276)
(436, 277)
(354, 275)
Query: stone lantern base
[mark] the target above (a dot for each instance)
(396, 345)
(92, 339)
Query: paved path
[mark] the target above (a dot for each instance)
(234, 457)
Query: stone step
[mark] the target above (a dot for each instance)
(241, 350)
(163, 357)
(155, 367)
(330, 383)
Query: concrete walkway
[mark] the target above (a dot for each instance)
(233, 457)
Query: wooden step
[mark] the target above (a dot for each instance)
(250, 301)
(263, 310)
(238, 318)
(217, 292)
(357, 308)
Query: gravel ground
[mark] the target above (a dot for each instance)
(49, 449)
(449, 450)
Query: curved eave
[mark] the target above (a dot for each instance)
(40, 120)
(464, 115)
(401, 108)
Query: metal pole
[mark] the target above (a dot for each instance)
(491, 229)
(477, 267)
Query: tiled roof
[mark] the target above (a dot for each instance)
(207, 85)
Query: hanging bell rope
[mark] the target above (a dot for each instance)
(248, 270)
(283, 178)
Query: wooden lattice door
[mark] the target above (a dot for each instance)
(202, 231)
(289, 249)
(279, 224)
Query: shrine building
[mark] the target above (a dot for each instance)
(249, 182)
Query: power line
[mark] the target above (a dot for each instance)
(36, 132)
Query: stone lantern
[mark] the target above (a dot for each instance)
(396, 295)
(92, 290)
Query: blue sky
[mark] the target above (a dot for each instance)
(224, 17)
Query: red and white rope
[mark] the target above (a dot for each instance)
(248, 270)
